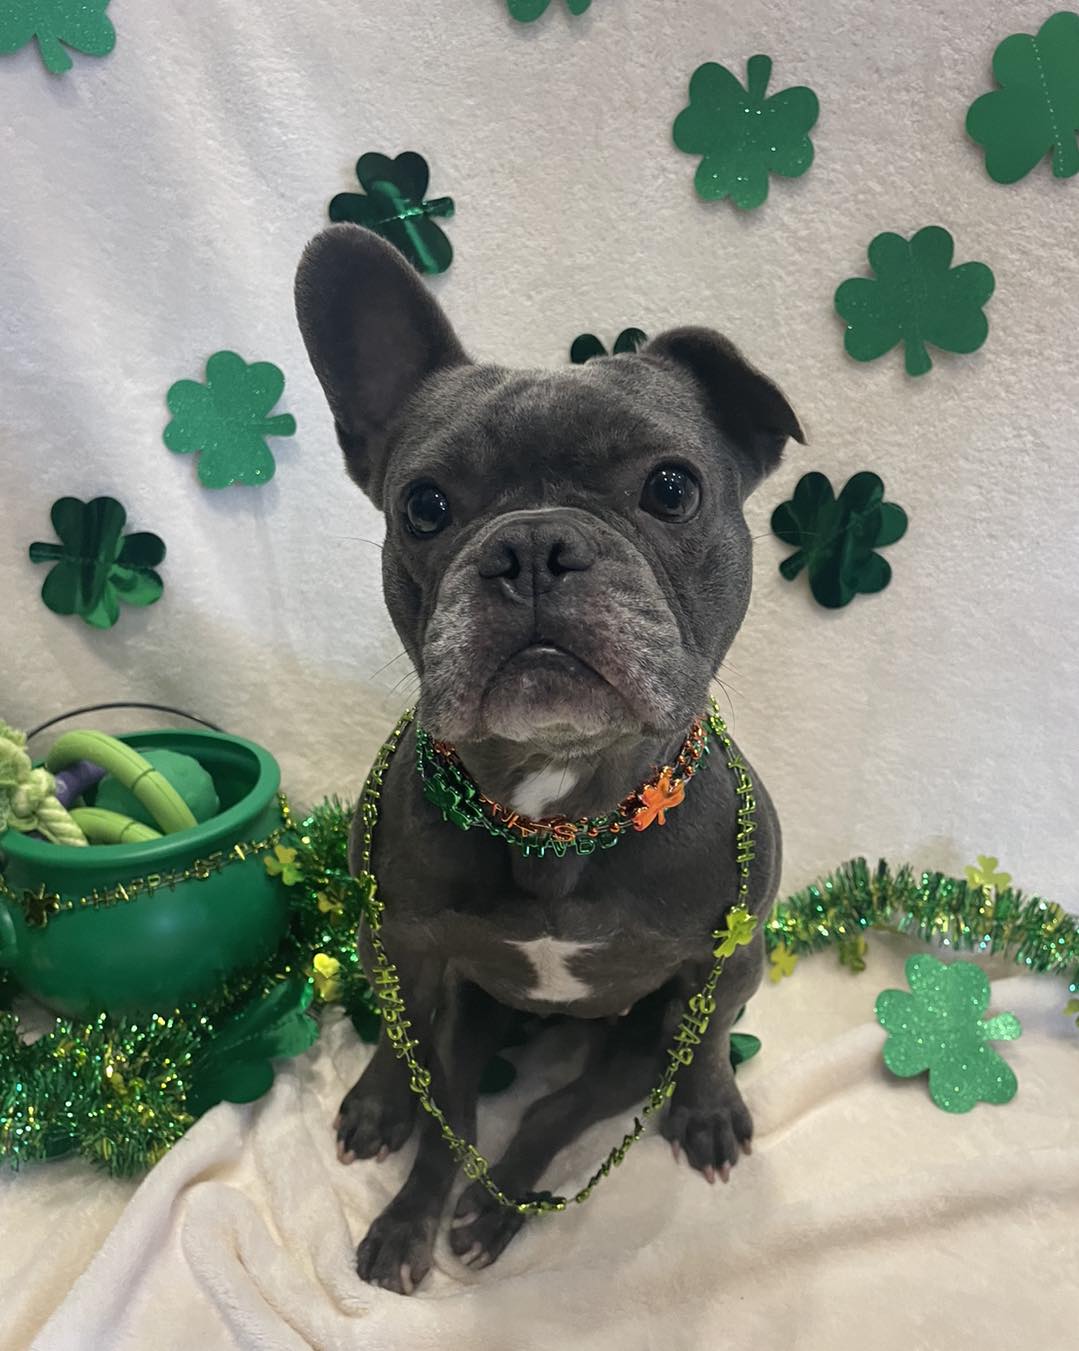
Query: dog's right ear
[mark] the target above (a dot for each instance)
(374, 333)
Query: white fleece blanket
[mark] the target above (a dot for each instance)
(866, 1217)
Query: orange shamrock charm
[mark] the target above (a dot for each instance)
(657, 799)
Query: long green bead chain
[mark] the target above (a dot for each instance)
(689, 1034)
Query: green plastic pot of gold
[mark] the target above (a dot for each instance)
(169, 896)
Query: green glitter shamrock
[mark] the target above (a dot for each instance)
(1037, 108)
(835, 537)
(916, 298)
(985, 877)
(394, 208)
(742, 135)
(81, 24)
(739, 931)
(228, 419)
(96, 565)
(939, 1027)
(587, 345)
(525, 11)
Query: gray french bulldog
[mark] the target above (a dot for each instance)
(566, 562)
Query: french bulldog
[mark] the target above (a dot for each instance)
(566, 562)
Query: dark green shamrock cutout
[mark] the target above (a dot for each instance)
(394, 208)
(742, 135)
(917, 298)
(228, 419)
(835, 537)
(524, 11)
(939, 1027)
(1037, 107)
(744, 1045)
(498, 1074)
(96, 565)
(81, 24)
(587, 345)
(237, 1065)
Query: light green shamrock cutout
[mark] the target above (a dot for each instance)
(738, 931)
(916, 298)
(525, 11)
(742, 135)
(81, 24)
(985, 876)
(1036, 109)
(939, 1027)
(228, 419)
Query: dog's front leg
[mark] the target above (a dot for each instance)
(396, 1254)
(707, 1117)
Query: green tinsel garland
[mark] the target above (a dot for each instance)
(120, 1092)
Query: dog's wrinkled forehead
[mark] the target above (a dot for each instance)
(578, 430)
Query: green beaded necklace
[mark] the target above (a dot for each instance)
(738, 931)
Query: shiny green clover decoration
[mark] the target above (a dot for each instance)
(836, 536)
(1036, 108)
(56, 24)
(96, 566)
(525, 11)
(744, 1045)
(916, 298)
(743, 136)
(237, 1066)
(395, 208)
(228, 419)
(587, 345)
(939, 1027)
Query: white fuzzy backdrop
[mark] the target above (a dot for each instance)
(154, 204)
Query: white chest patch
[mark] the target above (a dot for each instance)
(537, 793)
(555, 983)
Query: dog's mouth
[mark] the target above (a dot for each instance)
(545, 686)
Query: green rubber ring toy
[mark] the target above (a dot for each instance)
(104, 827)
(129, 768)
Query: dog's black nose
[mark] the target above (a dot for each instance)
(529, 554)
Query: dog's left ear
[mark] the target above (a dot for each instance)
(746, 406)
(374, 334)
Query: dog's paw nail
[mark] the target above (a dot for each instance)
(747, 1147)
(344, 1155)
(676, 1150)
(406, 1279)
(337, 1123)
(724, 1172)
(469, 1257)
(625, 1010)
(710, 1175)
(383, 1154)
(460, 1221)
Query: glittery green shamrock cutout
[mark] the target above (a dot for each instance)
(985, 877)
(939, 1027)
(228, 419)
(96, 565)
(1037, 107)
(394, 207)
(742, 135)
(587, 345)
(81, 24)
(836, 536)
(525, 11)
(916, 298)
(737, 932)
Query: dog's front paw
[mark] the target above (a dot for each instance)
(712, 1133)
(396, 1254)
(481, 1228)
(376, 1117)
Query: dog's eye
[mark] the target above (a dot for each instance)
(671, 493)
(427, 510)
